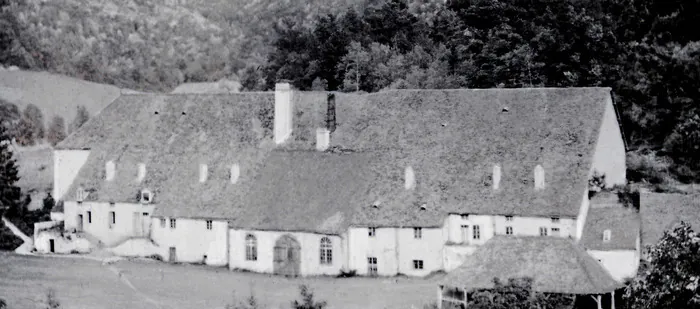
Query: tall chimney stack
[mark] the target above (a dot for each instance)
(283, 112)
(203, 172)
(496, 176)
(109, 170)
(539, 177)
(141, 173)
(409, 178)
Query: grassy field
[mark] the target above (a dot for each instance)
(88, 284)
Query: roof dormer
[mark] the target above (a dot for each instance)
(146, 196)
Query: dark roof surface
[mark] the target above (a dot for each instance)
(556, 265)
(663, 211)
(451, 138)
(622, 222)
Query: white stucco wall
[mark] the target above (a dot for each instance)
(310, 254)
(621, 264)
(101, 226)
(192, 240)
(530, 226)
(62, 244)
(138, 247)
(454, 255)
(428, 249)
(66, 165)
(382, 246)
(57, 216)
(454, 232)
(609, 156)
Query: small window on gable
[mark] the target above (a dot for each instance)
(606, 235)
(80, 194)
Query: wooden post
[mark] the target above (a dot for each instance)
(612, 300)
(465, 298)
(439, 296)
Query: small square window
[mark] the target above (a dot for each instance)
(372, 231)
(172, 223)
(210, 224)
(543, 231)
(417, 264)
(509, 218)
(555, 220)
(509, 230)
(465, 216)
(417, 233)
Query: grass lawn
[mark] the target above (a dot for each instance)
(87, 284)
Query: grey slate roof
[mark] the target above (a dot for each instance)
(451, 138)
(663, 211)
(622, 222)
(556, 265)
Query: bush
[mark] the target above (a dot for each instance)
(307, 300)
(347, 273)
(647, 168)
(8, 240)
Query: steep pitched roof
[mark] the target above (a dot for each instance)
(451, 138)
(217, 130)
(622, 222)
(556, 265)
(306, 191)
(663, 211)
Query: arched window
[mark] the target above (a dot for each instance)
(251, 248)
(326, 251)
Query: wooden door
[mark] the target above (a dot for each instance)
(51, 246)
(287, 256)
(137, 224)
(146, 224)
(173, 255)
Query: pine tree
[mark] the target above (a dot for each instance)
(10, 193)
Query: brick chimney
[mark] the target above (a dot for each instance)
(323, 139)
(284, 111)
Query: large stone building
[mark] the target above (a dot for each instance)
(302, 183)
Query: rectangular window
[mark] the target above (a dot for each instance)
(555, 220)
(465, 216)
(89, 213)
(111, 204)
(465, 233)
(417, 264)
(210, 224)
(112, 217)
(372, 231)
(172, 223)
(543, 231)
(509, 230)
(417, 233)
(477, 233)
(162, 222)
(509, 218)
(372, 266)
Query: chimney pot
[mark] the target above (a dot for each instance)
(203, 173)
(410, 178)
(109, 170)
(141, 173)
(323, 139)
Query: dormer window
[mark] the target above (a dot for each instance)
(376, 204)
(146, 196)
(423, 206)
(606, 235)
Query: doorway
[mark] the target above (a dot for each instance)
(172, 258)
(146, 224)
(80, 223)
(287, 256)
(52, 249)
